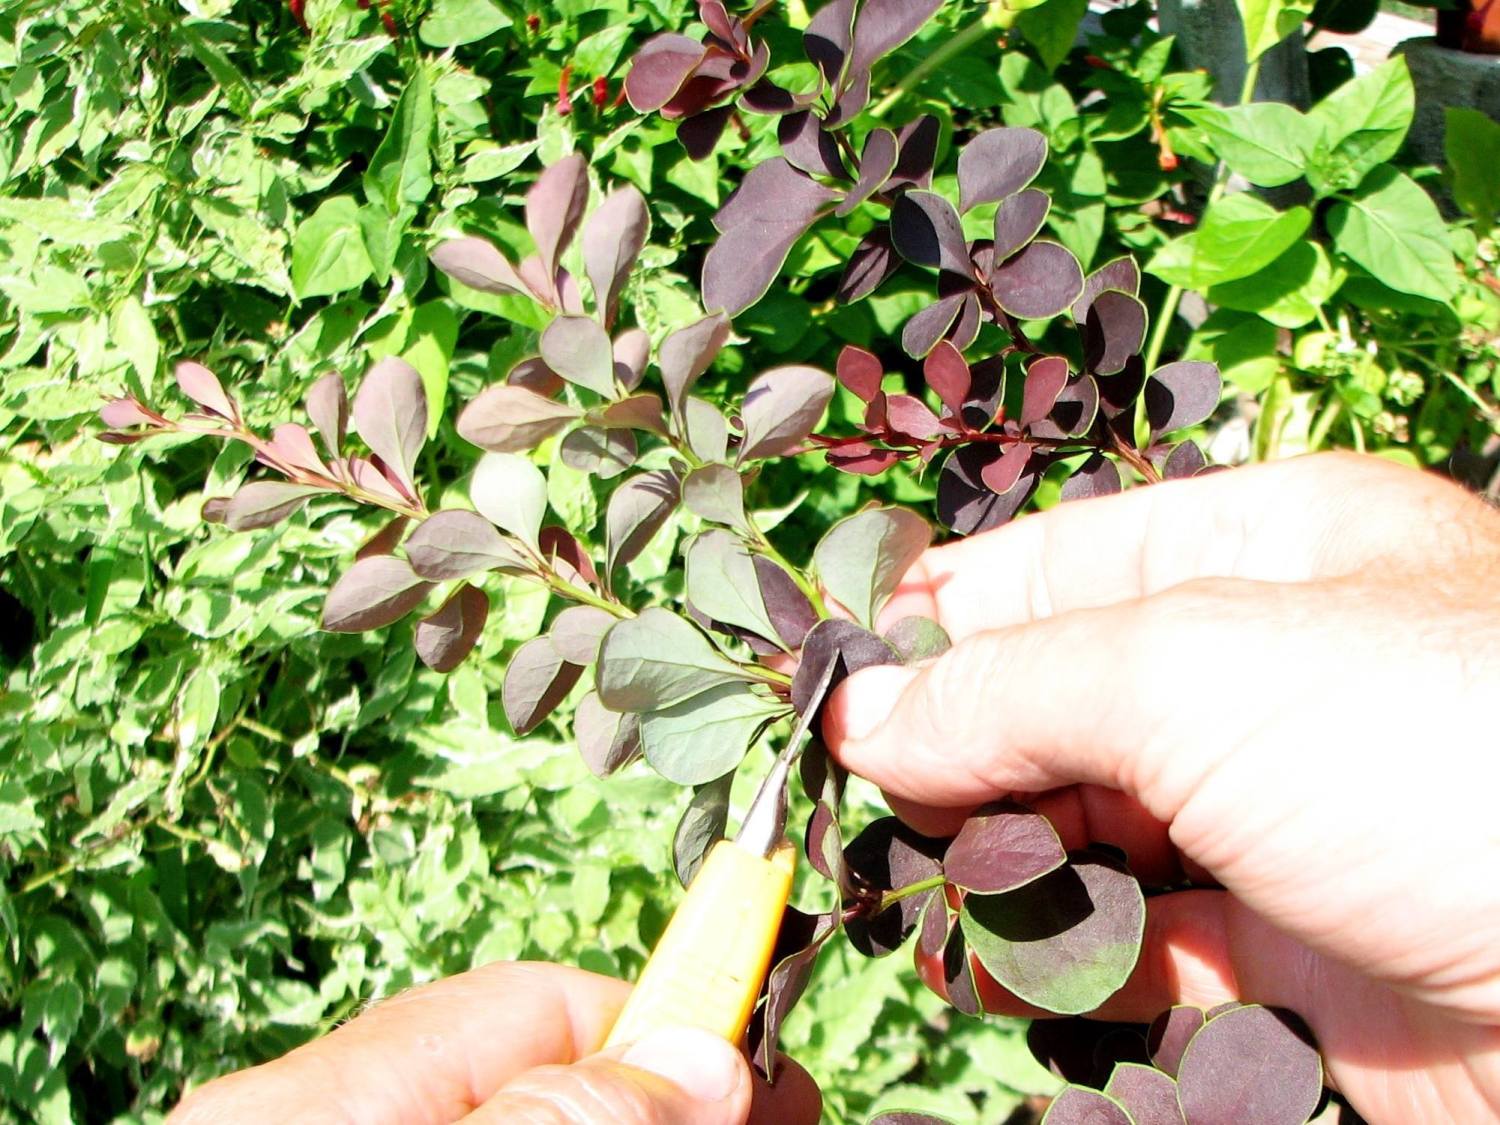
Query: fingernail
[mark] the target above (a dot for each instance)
(701, 1063)
(867, 698)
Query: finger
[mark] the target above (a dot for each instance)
(427, 1055)
(679, 1076)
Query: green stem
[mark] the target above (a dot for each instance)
(913, 78)
(1324, 422)
(890, 898)
(566, 589)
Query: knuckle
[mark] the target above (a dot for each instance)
(578, 1096)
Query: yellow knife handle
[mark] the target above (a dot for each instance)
(707, 969)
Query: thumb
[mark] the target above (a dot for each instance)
(679, 1076)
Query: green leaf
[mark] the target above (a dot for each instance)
(1288, 292)
(1268, 22)
(1363, 124)
(1266, 142)
(400, 171)
(722, 583)
(863, 558)
(706, 735)
(328, 251)
(430, 340)
(452, 23)
(1239, 235)
(1052, 28)
(1471, 143)
(1393, 229)
(658, 659)
(489, 161)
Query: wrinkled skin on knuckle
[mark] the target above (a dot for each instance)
(558, 1095)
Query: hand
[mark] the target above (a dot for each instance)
(1281, 681)
(511, 1043)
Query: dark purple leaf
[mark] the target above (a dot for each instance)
(958, 972)
(770, 99)
(1073, 412)
(986, 391)
(702, 825)
(1170, 1034)
(1148, 1095)
(1065, 942)
(801, 938)
(265, 502)
(742, 264)
(932, 932)
(1118, 393)
(700, 133)
(1250, 1064)
(612, 240)
(791, 614)
(809, 146)
(729, 29)
(1078, 1105)
(578, 349)
(889, 855)
(1018, 220)
(823, 843)
(966, 327)
(607, 740)
(567, 556)
(659, 70)
(852, 99)
(926, 328)
(859, 371)
(637, 510)
(925, 230)
(1073, 1048)
(444, 638)
(457, 543)
(918, 638)
(966, 505)
(917, 141)
(1039, 282)
(948, 375)
(606, 453)
(476, 263)
(1004, 472)
(534, 375)
(510, 419)
(686, 353)
(1045, 380)
(1121, 273)
(1114, 331)
(385, 541)
(886, 932)
(203, 387)
(372, 593)
(1185, 460)
(883, 25)
(1001, 847)
(829, 38)
(876, 162)
(554, 205)
(780, 409)
(390, 416)
(1097, 476)
(873, 261)
(328, 407)
(774, 192)
(1181, 394)
(536, 680)
(998, 163)
(830, 641)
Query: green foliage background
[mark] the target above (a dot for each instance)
(221, 830)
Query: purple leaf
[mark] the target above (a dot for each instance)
(567, 556)
(607, 740)
(1004, 472)
(328, 407)
(537, 679)
(965, 328)
(1001, 847)
(859, 371)
(966, 505)
(774, 192)
(911, 417)
(292, 445)
(1045, 380)
(1078, 1105)
(578, 631)
(773, 101)
(1181, 394)
(925, 230)
(1114, 330)
(986, 391)
(833, 640)
(632, 349)
(780, 409)
(1121, 273)
(385, 541)
(390, 416)
(886, 856)
(932, 934)
(265, 502)
(742, 264)
(1073, 413)
(807, 145)
(1039, 282)
(457, 543)
(660, 68)
(722, 583)
(862, 458)
(554, 205)
(829, 38)
(1185, 460)
(729, 29)
(579, 350)
(612, 240)
(824, 845)
(700, 133)
(958, 973)
(926, 328)
(706, 430)
(535, 376)
(715, 493)
(1097, 476)
(998, 163)
(638, 412)
(1018, 219)
(1148, 1095)
(873, 261)
(1118, 393)
(510, 419)
(372, 593)
(702, 825)
(444, 638)
(883, 25)
(369, 476)
(1170, 1034)
(605, 453)
(686, 354)
(791, 614)
(1250, 1064)
(637, 510)
(119, 413)
(876, 162)
(476, 263)
(948, 375)
(917, 141)
(797, 946)
(203, 387)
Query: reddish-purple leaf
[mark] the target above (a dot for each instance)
(445, 637)
(958, 973)
(578, 631)
(926, 328)
(909, 415)
(1121, 273)
(1114, 330)
(632, 348)
(917, 141)
(1001, 847)
(458, 543)
(1118, 394)
(998, 163)
(1039, 282)
(730, 29)
(948, 375)
(1181, 394)
(859, 371)
(883, 25)
(534, 375)
(292, 445)
(932, 933)
(1170, 1034)
(554, 205)
(823, 844)
(801, 938)
(606, 453)
(372, 593)
(637, 510)
(607, 740)
(1018, 219)
(1004, 472)
(886, 856)
(774, 101)
(965, 328)
(833, 640)
(537, 679)
(612, 240)
(1250, 1064)
(265, 502)
(1078, 1105)
(638, 412)
(686, 353)
(578, 349)
(203, 387)
(476, 263)
(511, 419)
(1148, 1095)
(862, 458)
(659, 70)
(986, 391)
(385, 541)
(780, 409)
(122, 412)
(567, 556)
(1185, 460)
(787, 607)
(1072, 413)
(774, 192)
(1045, 380)
(372, 478)
(807, 145)
(328, 407)
(873, 261)
(1097, 476)
(966, 505)
(925, 230)
(390, 416)
(876, 162)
